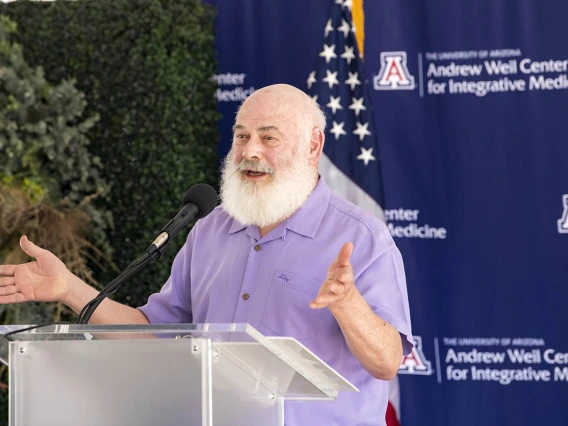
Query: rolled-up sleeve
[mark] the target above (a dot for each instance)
(380, 278)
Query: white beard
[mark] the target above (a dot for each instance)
(266, 203)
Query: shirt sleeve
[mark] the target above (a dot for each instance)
(380, 278)
(173, 303)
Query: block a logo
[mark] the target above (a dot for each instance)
(393, 74)
(415, 362)
(563, 221)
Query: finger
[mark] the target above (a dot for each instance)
(344, 254)
(7, 270)
(345, 276)
(326, 299)
(13, 298)
(336, 288)
(316, 305)
(8, 290)
(4, 281)
(30, 248)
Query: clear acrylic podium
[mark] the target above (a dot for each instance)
(175, 374)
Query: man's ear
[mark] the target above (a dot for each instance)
(316, 145)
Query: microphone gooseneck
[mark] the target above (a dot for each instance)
(198, 202)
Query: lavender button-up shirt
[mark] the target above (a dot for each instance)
(226, 273)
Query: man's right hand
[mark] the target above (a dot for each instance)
(48, 280)
(44, 280)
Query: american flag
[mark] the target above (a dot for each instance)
(350, 164)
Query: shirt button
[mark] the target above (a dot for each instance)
(257, 247)
(245, 296)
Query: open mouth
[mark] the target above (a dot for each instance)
(252, 173)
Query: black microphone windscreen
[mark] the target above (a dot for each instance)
(203, 196)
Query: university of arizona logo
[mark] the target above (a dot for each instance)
(563, 221)
(393, 74)
(415, 362)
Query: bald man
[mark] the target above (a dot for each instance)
(281, 253)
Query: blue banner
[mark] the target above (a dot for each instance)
(469, 105)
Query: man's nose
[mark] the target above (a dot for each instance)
(253, 149)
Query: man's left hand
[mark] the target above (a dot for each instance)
(339, 287)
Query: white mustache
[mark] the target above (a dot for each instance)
(254, 166)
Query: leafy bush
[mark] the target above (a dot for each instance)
(47, 174)
(145, 67)
(41, 135)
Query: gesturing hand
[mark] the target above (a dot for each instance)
(339, 286)
(43, 280)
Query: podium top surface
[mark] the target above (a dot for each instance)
(238, 341)
(217, 332)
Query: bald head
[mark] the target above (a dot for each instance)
(283, 96)
(287, 104)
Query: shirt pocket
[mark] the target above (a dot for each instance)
(288, 311)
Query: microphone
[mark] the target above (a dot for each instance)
(198, 202)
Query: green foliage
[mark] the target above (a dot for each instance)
(4, 403)
(46, 165)
(42, 138)
(145, 67)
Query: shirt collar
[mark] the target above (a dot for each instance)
(306, 220)
(236, 226)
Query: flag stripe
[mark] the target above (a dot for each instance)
(346, 188)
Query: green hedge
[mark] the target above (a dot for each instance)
(145, 67)
(47, 173)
